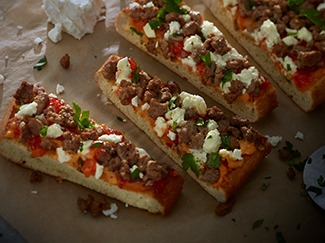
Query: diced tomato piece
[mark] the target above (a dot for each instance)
(302, 79)
(34, 144)
(176, 48)
(133, 64)
(56, 103)
(89, 167)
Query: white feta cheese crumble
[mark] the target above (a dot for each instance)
(235, 154)
(112, 211)
(299, 135)
(269, 32)
(321, 6)
(290, 40)
(160, 126)
(246, 75)
(150, 33)
(38, 40)
(199, 155)
(59, 89)
(274, 140)
(99, 170)
(27, 110)
(142, 152)
(134, 5)
(111, 138)
(208, 27)
(84, 149)
(54, 131)
(171, 135)
(189, 61)
(123, 70)
(62, 155)
(55, 33)
(145, 106)
(193, 101)
(212, 124)
(212, 141)
(77, 17)
(176, 115)
(149, 5)
(193, 42)
(288, 64)
(174, 28)
(304, 34)
(135, 101)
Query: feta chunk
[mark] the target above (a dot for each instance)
(27, 110)
(212, 141)
(150, 33)
(208, 27)
(304, 34)
(193, 101)
(174, 28)
(193, 42)
(299, 135)
(62, 155)
(76, 17)
(54, 131)
(160, 126)
(99, 170)
(269, 33)
(274, 140)
(123, 70)
(114, 138)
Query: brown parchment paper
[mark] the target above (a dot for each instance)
(48, 212)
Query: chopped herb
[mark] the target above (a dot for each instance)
(81, 147)
(136, 31)
(213, 160)
(201, 123)
(288, 67)
(225, 141)
(171, 6)
(135, 173)
(258, 223)
(43, 131)
(81, 117)
(136, 75)
(321, 181)
(175, 125)
(314, 16)
(233, 220)
(96, 145)
(316, 190)
(265, 186)
(171, 102)
(293, 3)
(279, 237)
(41, 63)
(250, 5)
(154, 23)
(227, 77)
(189, 162)
(206, 58)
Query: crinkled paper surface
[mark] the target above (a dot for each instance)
(48, 212)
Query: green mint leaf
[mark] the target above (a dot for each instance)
(213, 160)
(154, 23)
(136, 31)
(314, 16)
(206, 58)
(175, 125)
(189, 162)
(265, 186)
(136, 75)
(135, 173)
(258, 224)
(81, 117)
(96, 145)
(171, 103)
(293, 3)
(40, 64)
(43, 131)
(227, 77)
(201, 122)
(225, 141)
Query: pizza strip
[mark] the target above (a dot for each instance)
(42, 132)
(287, 37)
(220, 153)
(196, 50)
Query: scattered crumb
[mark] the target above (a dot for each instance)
(34, 192)
(59, 89)
(112, 212)
(6, 60)
(105, 100)
(291, 173)
(19, 29)
(98, 95)
(224, 208)
(274, 140)
(2, 79)
(59, 180)
(38, 40)
(299, 135)
(65, 61)
(126, 205)
(35, 177)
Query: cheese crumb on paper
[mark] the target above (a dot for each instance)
(274, 140)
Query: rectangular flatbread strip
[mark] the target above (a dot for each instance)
(196, 50)
(286, 37)
(42, 132)
(218, 152)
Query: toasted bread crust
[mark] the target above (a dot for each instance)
(158, 199)
(252, 110)
(307, 99)
(236, 178)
